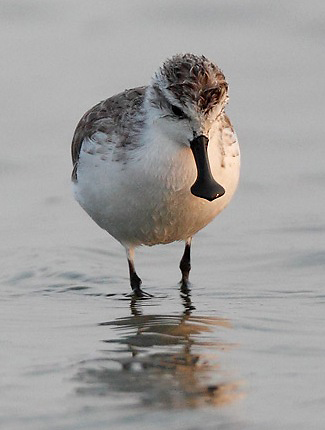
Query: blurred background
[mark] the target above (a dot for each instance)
(260, 264)
(62, 57)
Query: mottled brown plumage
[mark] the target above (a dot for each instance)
(113, 116)
(190, 78)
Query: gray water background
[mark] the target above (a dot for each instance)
(246, 349)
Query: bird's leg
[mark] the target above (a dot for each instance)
(185, 264)
(135, 281)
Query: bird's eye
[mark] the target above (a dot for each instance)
(178, 112)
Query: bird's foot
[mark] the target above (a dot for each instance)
(185, 293)
(185, 285)
(138, 293)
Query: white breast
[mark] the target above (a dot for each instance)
(143, 196)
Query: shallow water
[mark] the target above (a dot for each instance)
(245, 350)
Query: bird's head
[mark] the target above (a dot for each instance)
(186, 95)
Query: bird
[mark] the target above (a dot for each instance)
(155, 164)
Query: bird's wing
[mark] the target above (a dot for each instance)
(113, 116)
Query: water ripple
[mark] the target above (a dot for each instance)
(161, 361)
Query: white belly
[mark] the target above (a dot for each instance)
(147, 200)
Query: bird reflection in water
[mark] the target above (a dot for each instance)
(164, 360)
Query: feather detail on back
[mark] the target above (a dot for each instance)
(114, 117)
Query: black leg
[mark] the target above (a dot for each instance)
(135, 281)
(185, 264)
